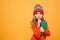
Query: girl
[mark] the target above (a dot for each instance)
(39, 25)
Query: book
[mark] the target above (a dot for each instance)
(43, 24)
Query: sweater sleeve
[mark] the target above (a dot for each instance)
(36, 32)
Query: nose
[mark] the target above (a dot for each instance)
(38, 17)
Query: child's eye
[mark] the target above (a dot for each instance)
(40, 13)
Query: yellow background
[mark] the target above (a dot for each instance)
(15, 17)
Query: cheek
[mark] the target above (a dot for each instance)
(36, 16)
(40, 16)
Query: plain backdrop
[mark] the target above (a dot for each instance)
(16, 16)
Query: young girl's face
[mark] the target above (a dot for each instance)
(38, 15)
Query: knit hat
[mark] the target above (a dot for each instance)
(38, 8)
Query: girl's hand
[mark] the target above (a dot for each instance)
(41, 29)
(39, 21)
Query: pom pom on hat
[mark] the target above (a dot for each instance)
(38, 8)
